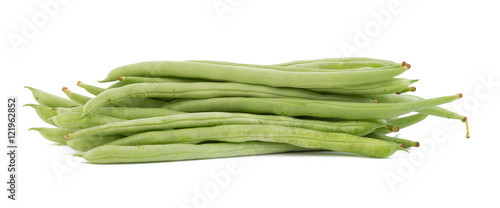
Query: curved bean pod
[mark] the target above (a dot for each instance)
(51, 100)
(402, 122)
(251, 75)
(44, 112)
(80, 99)
(191, 120)
(128, 102)
(406, 143)
(176, 152)
(94, 90)
(301, 107)
(434, 111)
(267, 133)
(54, 134)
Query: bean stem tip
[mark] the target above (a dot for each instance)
(416, 144)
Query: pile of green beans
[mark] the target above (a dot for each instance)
(162, 111)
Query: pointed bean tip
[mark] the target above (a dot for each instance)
(78, 155)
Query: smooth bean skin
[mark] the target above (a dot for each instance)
(127, 113)
(199, 90)
(301, 107)
(308, 67)
(44, 112)
(54, 134)
(108, 154)
(402, 122)
(50, 100)
(94, 90)
(337, 60)
(393, 85)
(134, 80)
(435, 111)
(251, 75)
(406, 143)
(267, 133)
(127, 102)
(75, 121)
(80, 99)
(343, 65)
(86, 144)
(191, 120)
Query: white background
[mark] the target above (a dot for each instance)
(452, 46)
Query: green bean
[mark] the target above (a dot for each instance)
(128, 102)
(335, 60)
(406, 143)
(252, 75)
(402, 122)
(301, 107)
(50, 100)
(434, 111)
(44, 112)
(75, 121)
(205, 90)
(177, 152)
(191, 120)
(127, 113)
(90, 88)
(384, 87)
(86, 144)
(267, 133)
(80, 99)
(134, 80)
(407, 89)
(54, 134)
(309, 67)
(343, 65)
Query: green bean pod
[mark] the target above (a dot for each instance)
(80, 99)
(176, 152)
(343, 65)
(54, 134)
(267, 133)
(301, 107)
(406, 143)
(393, 85)
(50, 100)
(199, 90)
(44, 112)
(402, 122)
(191, 120)
(76, 121)
(127, 113)
(86, 144)
(127, 102)
(309, 67)
(251, 75)
(434, 111)
(338, 60)
(94, 90)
